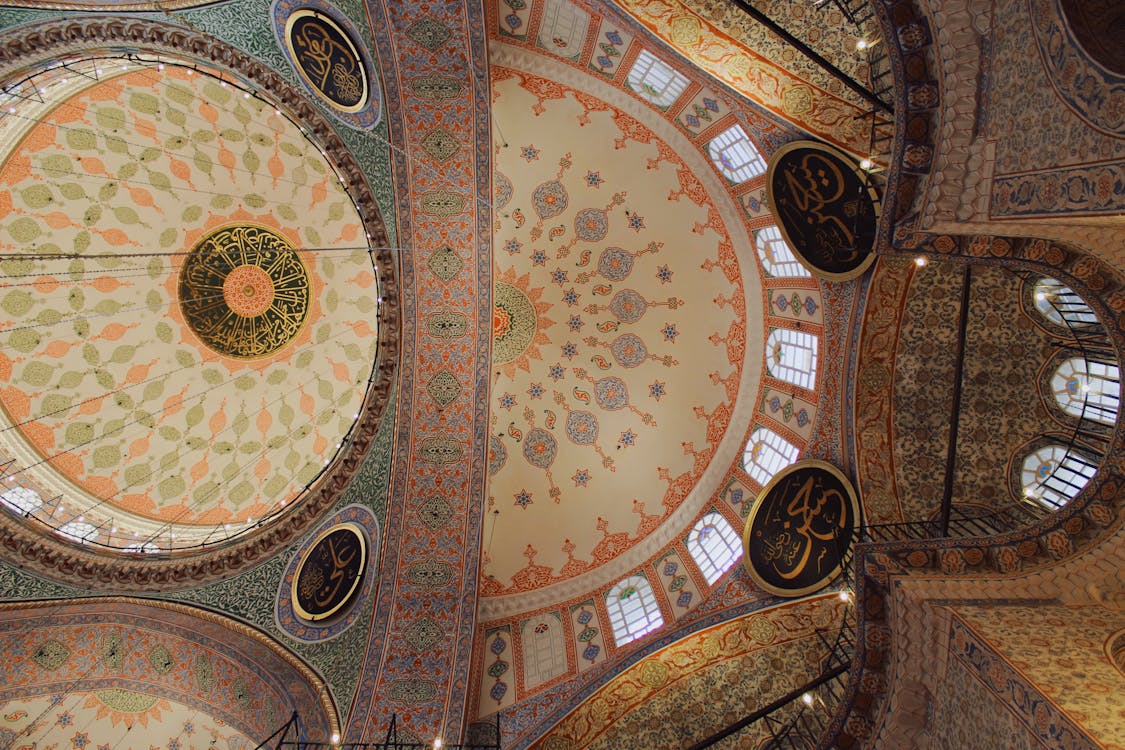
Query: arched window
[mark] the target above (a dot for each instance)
(633, 610)
(714, 546)
(791, 356)
(766, 454)
(1061, 305)
(21, 500)
(1088, 389)
(564, 28)
(656, 80)
(777, 258)
(544, 652)
(79, 531)
(1052, 475)
(735, 156)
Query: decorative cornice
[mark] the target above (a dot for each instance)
(38, 44)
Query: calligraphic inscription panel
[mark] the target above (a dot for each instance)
(244, 291)
(327, 59)
(825, 207)
(800, 528)
(330, 572)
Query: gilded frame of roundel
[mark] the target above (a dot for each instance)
(348, 598)
(871, 192)
(827, 578)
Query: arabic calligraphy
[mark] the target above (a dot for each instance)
(330, 573)
(244, 291)
(800, 529)
(327, 59)
(823, 207)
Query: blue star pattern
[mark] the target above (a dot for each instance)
(523, 498)
(575, 323)
(594, 179)
(530, 153)
(536, 390)
(508, 401)
(539, 258)
(657, 389)
(569, 350)
(628, 438)
(670, 332)
(636, 222)
(557, 372)
(581, 477)
(571, 297)
(664, 274)
(558, 276)
(513, 246)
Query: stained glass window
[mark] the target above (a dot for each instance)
(766, 454)
(735, 156)
(777, 258)
(544, 653)
(714, 545)
(1052, 475)
(656, 80)
(633, 610)
(22, 500)
(791, 356)
(1088, 389)
(1059, 304)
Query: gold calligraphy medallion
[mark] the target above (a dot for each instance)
(800, 529)
(244, 291)
(330, 573)
(327, 59)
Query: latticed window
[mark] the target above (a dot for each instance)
(714, 545)
(766, 454)
(22, 500)
(544, 653)
(777, 258)
(1088, 389)
(1060, 304)
(791, 356)
(1052, 475)
(735, 156)
(656, 80)
(79, 531)
(633, 610)
(564, 28)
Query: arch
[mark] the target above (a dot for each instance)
(791, 356)
(158, 651)
(1088, 389)
(777, 259)
(544, 650)
(766, 454)
(714, 545)
(1060, 305)
(1053, 474)
(735, 156)
(633, 610)
(655, 80)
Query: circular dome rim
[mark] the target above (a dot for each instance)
(43, 552)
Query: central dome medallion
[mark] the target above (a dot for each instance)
(244, 291)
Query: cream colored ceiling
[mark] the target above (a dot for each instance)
(149, 429)
(622, 337)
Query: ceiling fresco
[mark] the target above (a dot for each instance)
(620, 332)
(192, 253)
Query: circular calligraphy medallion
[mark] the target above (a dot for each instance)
(330, 573)
(826, 208)
(801, 527)
(244, 291)
(327, 59)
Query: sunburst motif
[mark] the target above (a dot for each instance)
(505, 323)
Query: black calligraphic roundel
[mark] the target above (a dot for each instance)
(825, 207)
(800, 528)
(330, 573)
(327, 59)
